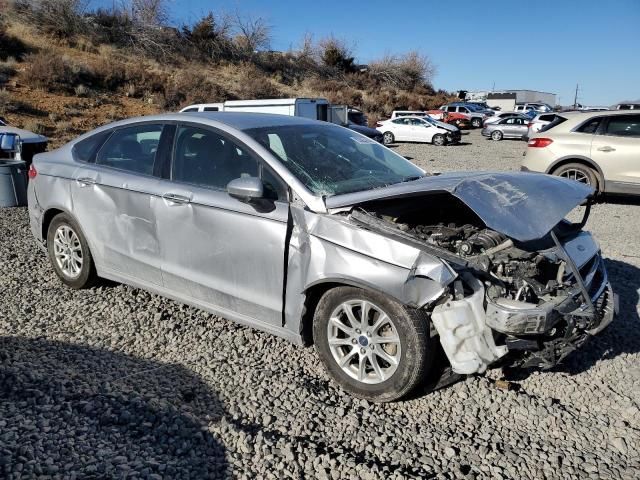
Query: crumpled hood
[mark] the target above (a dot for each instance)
(446, 126)
(523, 206)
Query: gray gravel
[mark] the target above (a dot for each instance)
(113, 382)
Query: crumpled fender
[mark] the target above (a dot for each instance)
(326, 248)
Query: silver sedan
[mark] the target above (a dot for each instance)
(313, 232)
(512, 127)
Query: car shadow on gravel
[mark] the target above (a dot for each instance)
(68, 408)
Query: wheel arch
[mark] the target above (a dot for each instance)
(47, 218)
(582, 160)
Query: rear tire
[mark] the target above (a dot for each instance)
(496, 135)
(388, 138)
(379, 363)
(580, 173)
(69, 252)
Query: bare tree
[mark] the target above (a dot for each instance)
(253, 34)
(149, 12)
(407, 71)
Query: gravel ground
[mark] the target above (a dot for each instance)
(113, 382)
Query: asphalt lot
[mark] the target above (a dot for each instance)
(113, 382)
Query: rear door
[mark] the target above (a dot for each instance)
(402, 128)
(616, 148)
(215, 249)
(112, 198)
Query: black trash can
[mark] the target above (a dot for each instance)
(13, 183)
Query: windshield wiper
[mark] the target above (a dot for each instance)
(411, 178)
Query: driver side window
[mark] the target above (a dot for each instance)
(205, 158)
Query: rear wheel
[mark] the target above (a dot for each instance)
(439, 140)
(476, 122)
(388, 138)
(69, 252)
(579, 173)
(372, 346)
(496, 135)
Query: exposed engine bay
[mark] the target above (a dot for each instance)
(541, 297)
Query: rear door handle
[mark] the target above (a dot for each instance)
(606, 149)
(86, 181)
(175, 198)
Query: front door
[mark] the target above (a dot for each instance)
(215, 249)
(617, 149)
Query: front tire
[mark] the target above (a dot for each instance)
(476, 122)
(388, 138)
(69, 252)
(439, 140)
(380, 356)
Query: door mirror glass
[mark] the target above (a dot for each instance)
(246, 189)
(10, 142)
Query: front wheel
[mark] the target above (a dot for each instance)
(476, 122)
(388, 138)
(69, 252)
(372, 346)
(439, 140)
(496, 135)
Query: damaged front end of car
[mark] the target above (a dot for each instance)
(527, 293)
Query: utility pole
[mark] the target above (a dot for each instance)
(575, 99)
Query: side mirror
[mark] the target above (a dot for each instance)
(10, 142)
(246, 189)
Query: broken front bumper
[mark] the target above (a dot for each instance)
(476, 331)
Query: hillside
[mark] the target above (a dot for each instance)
(63, 83)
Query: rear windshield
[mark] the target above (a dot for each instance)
(556, 121)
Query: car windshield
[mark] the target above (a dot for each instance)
(331, 160)
(429, 120)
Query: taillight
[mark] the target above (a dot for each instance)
(539, 142)
(529, 125)
(32, 172)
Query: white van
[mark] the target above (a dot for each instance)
(314, 108)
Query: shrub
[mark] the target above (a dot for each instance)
(5, 101)
(407, 72)
(35, 127)
(10, 46)
(335, 53)
(60, 18)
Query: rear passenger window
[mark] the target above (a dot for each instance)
(192, 109)
(624, 126)
(85, 150)
(547, 118)
(205, 158)
(590, 126)
(211, 109)
(132, 149)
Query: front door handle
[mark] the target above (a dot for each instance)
(175, 198)
(606, 149)
(86, 181)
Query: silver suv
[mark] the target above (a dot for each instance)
(601, 149)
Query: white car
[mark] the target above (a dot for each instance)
(417, 129)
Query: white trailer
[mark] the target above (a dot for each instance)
(313, 108)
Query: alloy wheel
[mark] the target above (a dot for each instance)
(576, 175)
(364, 341)
(67, 251)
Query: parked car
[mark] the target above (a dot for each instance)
(292, 226)
(475, 117)
(539, 121)
(30, 142)
(538, 107)
(418, 129)
(633, 105)
(510, 127)
(600, 149)
(501, 116)
(407, 113)
(459, 120)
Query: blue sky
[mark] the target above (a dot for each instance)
(539, 45)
